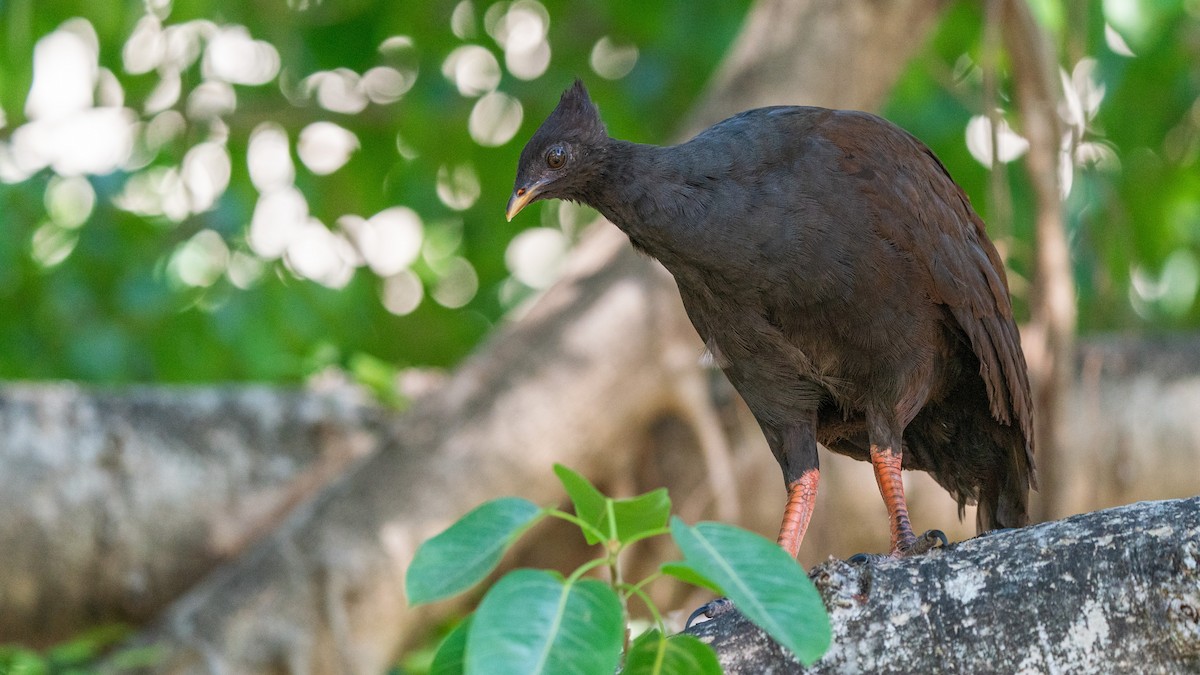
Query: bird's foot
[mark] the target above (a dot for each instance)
(925, 543)
(710, 610)
(928, 541)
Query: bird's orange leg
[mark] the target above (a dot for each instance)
(887, 473)
(802, 497)
(891, 486)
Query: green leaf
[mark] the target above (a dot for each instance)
(653, 654)
(688, 575)
(590, 505)
(639, 515)
(468, 550)
(21, 661)
(379, 377)
(88, 646)
(531, 623)
(450, 657)
(762, 580)
(633, 517)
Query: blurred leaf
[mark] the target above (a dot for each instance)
(762, 580)
(451, 655)
(468, 550)
(84, 648)
(532, 623)
(379, 376)
(21, 661)
(653, 654)
(147, 657)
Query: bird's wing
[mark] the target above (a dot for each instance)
(931, 217)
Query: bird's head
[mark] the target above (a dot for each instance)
(563, 154)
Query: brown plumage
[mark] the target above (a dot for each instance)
(841, 280)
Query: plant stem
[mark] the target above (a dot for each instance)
(585, 568)
(578, 522)
(636, 589)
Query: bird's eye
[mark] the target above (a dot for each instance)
(556, 157)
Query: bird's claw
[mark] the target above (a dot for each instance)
(928, 541)
(710, 610)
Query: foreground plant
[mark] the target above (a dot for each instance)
(538, 621)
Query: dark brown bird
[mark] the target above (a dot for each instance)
(842, 281)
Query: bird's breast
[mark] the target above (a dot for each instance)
(777, 378)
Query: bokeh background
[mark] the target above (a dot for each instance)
(197, 191)
(307, 196)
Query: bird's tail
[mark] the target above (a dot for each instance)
(1004, 499)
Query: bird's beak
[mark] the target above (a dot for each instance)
(521, 198)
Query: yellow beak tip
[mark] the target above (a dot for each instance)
(518, 202)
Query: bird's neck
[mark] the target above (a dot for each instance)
(620, 189)
(649, 193)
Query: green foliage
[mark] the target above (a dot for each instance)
(536, 621)
(1133, 151)
(621, 520)
(656, 654)
(78, 655)
(450, 658)
(756, 575)
(465, 553)
(689, 575)
(379, 377)
(109, 298)
(533, 622)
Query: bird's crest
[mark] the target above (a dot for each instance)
(576, 99)
(575, 113)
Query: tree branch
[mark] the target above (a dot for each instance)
(1104, 592)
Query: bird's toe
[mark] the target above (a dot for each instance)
(710, 610)
(865, 558)
(928, 541)
(907, 547)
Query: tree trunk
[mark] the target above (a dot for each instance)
(117, 502)
(1114, 591)
(1049, 338)
(827, 53)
